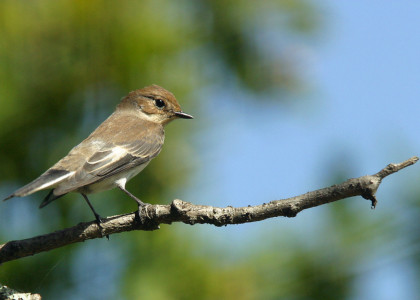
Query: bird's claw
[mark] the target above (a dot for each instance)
(101, 229)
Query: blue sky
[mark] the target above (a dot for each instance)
(363, 112)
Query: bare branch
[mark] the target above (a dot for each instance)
(8, 293)
(151, 216)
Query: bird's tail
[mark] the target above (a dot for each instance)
(50, 198)
(45, 181)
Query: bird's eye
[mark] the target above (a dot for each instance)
(159, 103)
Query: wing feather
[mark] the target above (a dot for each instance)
(112, 159)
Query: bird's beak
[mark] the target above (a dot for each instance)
(183, 115)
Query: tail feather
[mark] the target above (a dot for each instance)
(45, 181)
(9, 197)
(50, 198)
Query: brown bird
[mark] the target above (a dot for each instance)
(116, 151)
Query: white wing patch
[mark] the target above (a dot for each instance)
(115, 154)
(119, 151)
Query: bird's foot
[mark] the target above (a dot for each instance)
(141, 205)
(99, 223)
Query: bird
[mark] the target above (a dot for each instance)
(116, 151)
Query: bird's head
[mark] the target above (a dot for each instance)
(153, 103)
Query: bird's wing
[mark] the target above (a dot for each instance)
(111, 159)
(120, 157)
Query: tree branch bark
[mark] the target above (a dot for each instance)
(151, 216)
(8, 293)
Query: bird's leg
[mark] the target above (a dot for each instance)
(139, 202)
(97, 216)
